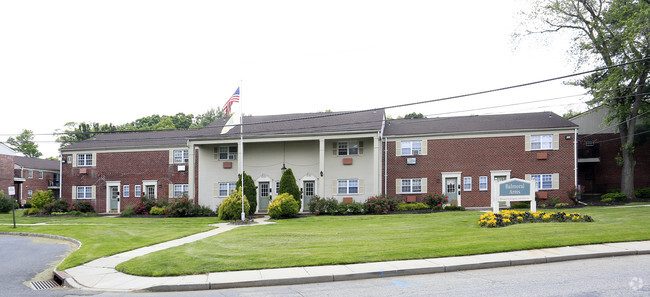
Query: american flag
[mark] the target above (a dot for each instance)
(234, 98)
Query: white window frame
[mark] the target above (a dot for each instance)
(411, 185)
(482, 183)
(125, 191)
(541, 142)
(181, 156)
(542, 181)
(408, 147)
(84, 160)
(229, 188)
(467, 183)
(137, 189)
(84, 192)
(30, 174)
(277, 188)
(29, 194)
(180, 189)
(347, 186)
(229, 154)
(348, 148)
(40, 175)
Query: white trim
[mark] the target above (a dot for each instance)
(459, 180)
(479, 134)
(492, 183)
(110, 184)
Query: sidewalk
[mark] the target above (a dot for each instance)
(101, 275)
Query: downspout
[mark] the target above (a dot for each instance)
(385, 165)
(61, 175)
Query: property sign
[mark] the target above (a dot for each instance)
(514, 190)
(12, 191)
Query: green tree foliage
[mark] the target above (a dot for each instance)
(250, 192)
(414, 115)
(284, 206)
(230, 209)
(24, 143)
(288, 185)
(607, 33)
(41, 198)
(74, 132)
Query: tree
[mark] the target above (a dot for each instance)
(75, 132)
(607, 33)
(288, 185)
(24, 143)
(208, 117)
(250, 192)
(414, 115)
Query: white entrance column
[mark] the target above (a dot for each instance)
(190, 172)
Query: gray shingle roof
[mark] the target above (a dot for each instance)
(483, 123)
(35, 163)
(270, 125)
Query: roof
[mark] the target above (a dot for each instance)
(298, 124)
(482, 123)
(269, 125)
(35, 163)
(6, 150)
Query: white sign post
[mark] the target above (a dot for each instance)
(12, 192)
(514, 190)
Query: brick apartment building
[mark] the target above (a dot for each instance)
(27, 175)
(346, 155)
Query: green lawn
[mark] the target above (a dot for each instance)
(105, 236)
(353, 239)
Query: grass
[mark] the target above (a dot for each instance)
(105, 236)
(326, 240)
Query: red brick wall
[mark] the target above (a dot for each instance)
(598, 177)
(6, 172)
(129, 168)
(35, 183)
(477, 157)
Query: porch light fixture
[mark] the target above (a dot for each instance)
(321, 174)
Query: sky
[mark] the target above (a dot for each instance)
(117, 61)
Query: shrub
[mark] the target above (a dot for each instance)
(606, 200)
(128, 211)
(342, 208)
(202, 211)
(320, 206)
(145, 205)
(618, 197)
(288, 185)
(642, 193)
(380, 204)
(435, 199)
(5, 204)
(411, 206)
(180, 207)
(562, 205)
(40, 198)
(82, 206)
(520, 205)
(31, 211)
(230, 209)
(574, 194)
(250, 192)
(552, 201)
(283, 206)
(59, 205)
(157, 211)
(28, 204)
(355, 207)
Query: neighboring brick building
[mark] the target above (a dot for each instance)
(113, 171)
(463, 156)
(27, 175)
(598, 148)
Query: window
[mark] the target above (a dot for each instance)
(137, 190)
(482, 183)
(349, 148)
(411, 148)
(543, 181)
(151, 191)
(29, 194)
(125, 191)
(181, 191)
(40, 174)
(412, 185)
(85, 160)
(226, 189)
(277, 188)
(84, 192)
(181, 156)
(30, 174)
(228, 152)
(467, 183)
(541, 142)
(264, 189)
(348, 186)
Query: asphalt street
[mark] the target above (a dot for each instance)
(25, 259)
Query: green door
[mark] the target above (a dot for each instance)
(265, 196)
(115, 198)
(451, 187)
(308, 190)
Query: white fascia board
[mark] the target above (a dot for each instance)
(258, 139)
(461, 135)
(124, 150)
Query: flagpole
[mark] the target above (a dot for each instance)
(241, 141)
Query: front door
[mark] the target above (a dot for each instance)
(265, 196)
(115, 198)
(308, 190)
(452, 189)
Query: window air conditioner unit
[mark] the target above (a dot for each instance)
(416, 152)
(410, 161)
(181, 167)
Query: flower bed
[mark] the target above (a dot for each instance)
(511, 217)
